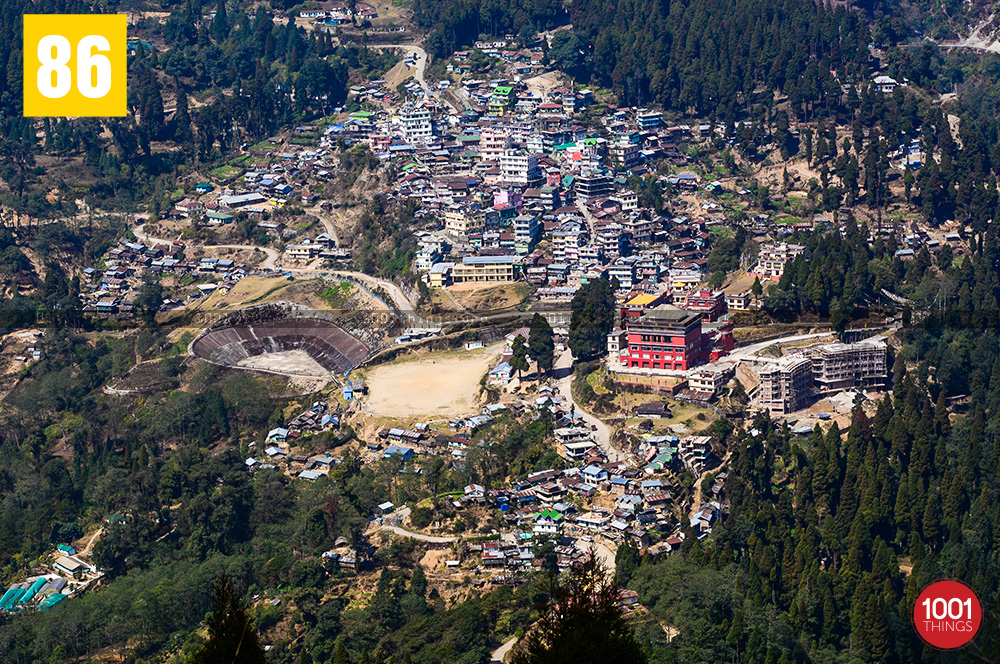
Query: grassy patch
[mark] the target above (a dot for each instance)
(225, 172)
(263, 146)
(336, 296)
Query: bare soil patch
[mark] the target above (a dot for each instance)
(441, 384)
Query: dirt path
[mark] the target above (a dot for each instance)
(85, 551)
(420, 55)
(696, 498)
(390, 525)
(327, 222)
(268, 263)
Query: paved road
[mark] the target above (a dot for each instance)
(501, 652)
(744, 352)
(563, 369)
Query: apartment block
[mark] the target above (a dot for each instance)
(772, 259)
(519, 168)
(786, 385)
(415, 123)
(845, 366)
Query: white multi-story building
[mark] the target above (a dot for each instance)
(519, 168)
(527, 228)
(415, 123)
(772, 259)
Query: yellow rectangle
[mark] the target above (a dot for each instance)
(75, 65)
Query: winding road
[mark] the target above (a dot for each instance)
(271, 262)
(150, 241)
(563, 369)
(501, 652)
(420, 65)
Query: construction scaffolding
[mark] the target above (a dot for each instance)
(790, 383)
(844, 366)
(786, 386)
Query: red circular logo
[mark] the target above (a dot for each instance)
(947, 615)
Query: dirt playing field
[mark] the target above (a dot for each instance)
(442, 384)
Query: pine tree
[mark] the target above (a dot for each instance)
(519, 356)
(220, 24)
(541, 344)
(593, 313)
(581, 621)
(232, 635)
(340, 655)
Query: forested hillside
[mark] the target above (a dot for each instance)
(218, 84)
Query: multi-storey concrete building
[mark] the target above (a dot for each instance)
(592, 185)
(786, 385)
(519, 168)
(493, 143)
(624, 154)
(648, 120)
(845, 366)
(461, 220)
(527, 229)
(772, 259)
(710, 304)
(415, 123)
(664, 337)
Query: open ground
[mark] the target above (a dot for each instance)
(442, 384)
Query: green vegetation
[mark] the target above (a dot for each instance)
(593, 308)
(540, 343)
(336, 296)
(581, 620)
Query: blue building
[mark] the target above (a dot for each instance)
(404, 453)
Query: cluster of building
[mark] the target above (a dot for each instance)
(128, 265)
(666, 341)
(516, 170)
(280, 443)
(339, 15)
(544, 506)
(792, 382)
(69, 574)
(269, 184)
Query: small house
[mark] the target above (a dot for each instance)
(403, 453)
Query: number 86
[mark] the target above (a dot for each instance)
(85, 62)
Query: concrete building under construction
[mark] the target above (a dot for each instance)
(786, 386)
(845, 366)
(790, 383)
